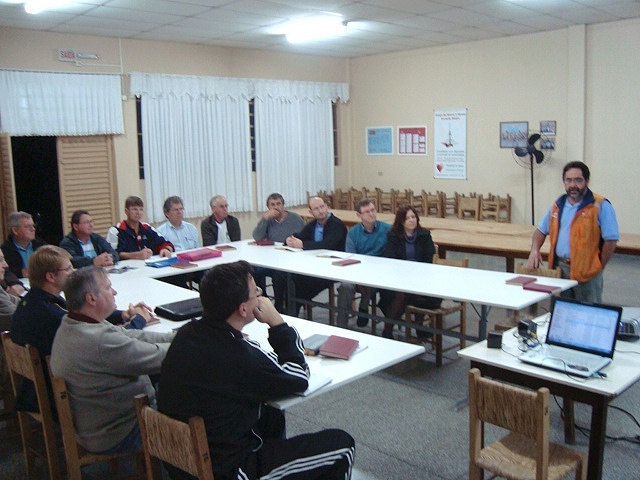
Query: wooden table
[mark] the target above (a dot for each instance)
(507, 240)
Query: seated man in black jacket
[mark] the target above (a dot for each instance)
(325, 231)
(213, 371)
(85, 246)
(22, 242)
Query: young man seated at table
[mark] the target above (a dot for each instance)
(104, 366)
(213, 371)
(325, 231)
(134, 239)
(85, 246)
(39, 313)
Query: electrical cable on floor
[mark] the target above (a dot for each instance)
(611, 439)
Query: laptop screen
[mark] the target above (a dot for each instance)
(584, 326)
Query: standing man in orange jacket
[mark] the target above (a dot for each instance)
(583, 231)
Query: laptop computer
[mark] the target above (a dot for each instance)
(182, 310)
(580, 340)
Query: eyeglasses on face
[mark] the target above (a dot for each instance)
(258, 293)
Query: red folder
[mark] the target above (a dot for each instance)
(520, 280)
(339, 347)
(199, 254)
(345, 262)
(539, 287)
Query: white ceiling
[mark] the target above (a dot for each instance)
(380, 25)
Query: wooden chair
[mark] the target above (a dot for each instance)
(355, 196)
(75, 455)
(372, 195)
(490, 208)
(25, 363)
(434, 317)
(525, 453)
(341, 200)
(7, 412)
(385, 201)
(401, 197)
(470, 205)
(183, 445)
(505, 207)
(332, 302)
(417, 202)
(450, 204)
(433, 204)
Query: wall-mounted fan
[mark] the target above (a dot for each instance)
(536, 153)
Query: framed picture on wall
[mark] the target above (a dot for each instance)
(379, 140)
(514, 134)
(548, 127)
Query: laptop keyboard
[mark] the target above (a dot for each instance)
(573, 358)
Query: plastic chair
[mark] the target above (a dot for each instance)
(434, 317)
(183, 445)
(525, 453)
(25, 363)
(75, 455)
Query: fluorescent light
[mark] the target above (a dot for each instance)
(315, 29)
(37, 6)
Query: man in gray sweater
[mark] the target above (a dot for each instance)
(275, 225)
(104, 365)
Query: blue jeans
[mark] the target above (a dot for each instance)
(590, 291)
(130, 443)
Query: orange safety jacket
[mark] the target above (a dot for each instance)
(585, 239)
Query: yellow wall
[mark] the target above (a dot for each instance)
(585, 78)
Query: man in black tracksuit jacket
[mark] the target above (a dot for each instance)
(211, 370)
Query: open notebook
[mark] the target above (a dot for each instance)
(580, 340)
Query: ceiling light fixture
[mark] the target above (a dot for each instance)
(316, 29)
(37, 6)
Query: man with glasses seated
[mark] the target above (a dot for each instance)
(40, 311)
(325, 231)
(367, 238)
(583, 231)
(22, 242)
(212, 370)
(85, 246)
(183, 235)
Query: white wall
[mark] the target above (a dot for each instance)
(526, 78)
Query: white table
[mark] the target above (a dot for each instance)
(622, 373)
(379, 353)
(483, 287)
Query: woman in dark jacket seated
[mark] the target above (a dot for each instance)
(406, 240)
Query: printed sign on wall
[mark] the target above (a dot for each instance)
(450, 144)
(412, 141)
